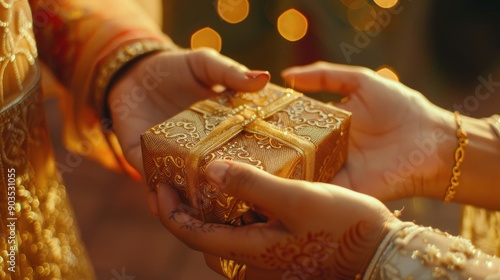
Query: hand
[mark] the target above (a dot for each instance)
(308, 237)
(161, 85)
(396, 140)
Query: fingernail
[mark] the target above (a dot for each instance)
(344, 99)
(216, 173)
(254, 74)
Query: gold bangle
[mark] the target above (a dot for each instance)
(233, 270)
(117, 61)
(459, 158)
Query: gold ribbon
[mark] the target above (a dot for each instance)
(233, 270)
(247, 117)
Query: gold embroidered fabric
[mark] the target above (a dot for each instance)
(482, 227)
(494, 122)
(276, 129)
(413, 252)
(39, 237)
(38, 234)
(17, 50)
(84, 42)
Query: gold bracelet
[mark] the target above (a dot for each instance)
(116, 62)
(233, 270)
(459, 158)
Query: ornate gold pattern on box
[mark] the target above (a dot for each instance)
(277, 129)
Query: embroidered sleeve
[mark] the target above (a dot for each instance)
(413, 252)
(84, 43)
(494, 121)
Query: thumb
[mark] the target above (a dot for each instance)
(212, 68)
(324, 76)
(271, 193)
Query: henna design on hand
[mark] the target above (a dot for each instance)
(306, 257)
(355, 249)
(192, 224)
(317, 256)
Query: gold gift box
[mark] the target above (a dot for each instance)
(276, 129)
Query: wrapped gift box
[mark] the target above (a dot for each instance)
(277, 129)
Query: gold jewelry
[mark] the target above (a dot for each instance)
(115, 63)
(233, 270)
(459, 158)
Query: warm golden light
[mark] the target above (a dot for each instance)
(292, 25)
(388, 72)
(386, 4)
(361, 18)
(354, 4)
(233, 11)
(206, 37)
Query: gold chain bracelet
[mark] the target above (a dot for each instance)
(459, 158)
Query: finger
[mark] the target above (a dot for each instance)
(212, 68)
(323, 76)
(152, 201)
(273, 194)
(217, 239)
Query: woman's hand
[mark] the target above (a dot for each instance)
(161, 85)
(400, 144)
(315, 230)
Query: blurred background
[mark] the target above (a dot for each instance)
(444, 49)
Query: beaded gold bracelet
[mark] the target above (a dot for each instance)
(116, 62)
(459, 158)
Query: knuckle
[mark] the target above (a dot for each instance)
(322, 64)
(302, 197)
(363, 72)
(240, 177)
(205, 52)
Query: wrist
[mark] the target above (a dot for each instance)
(116, 64)
(447, 143)
(479, 171)
(438, 142)
(391, 228)
(476, 182)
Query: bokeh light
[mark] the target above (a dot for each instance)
(354, 4)
(206, 37)
(386, 4)
(233, 11)
(292, 25)
(362, 18)
(388, 72)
